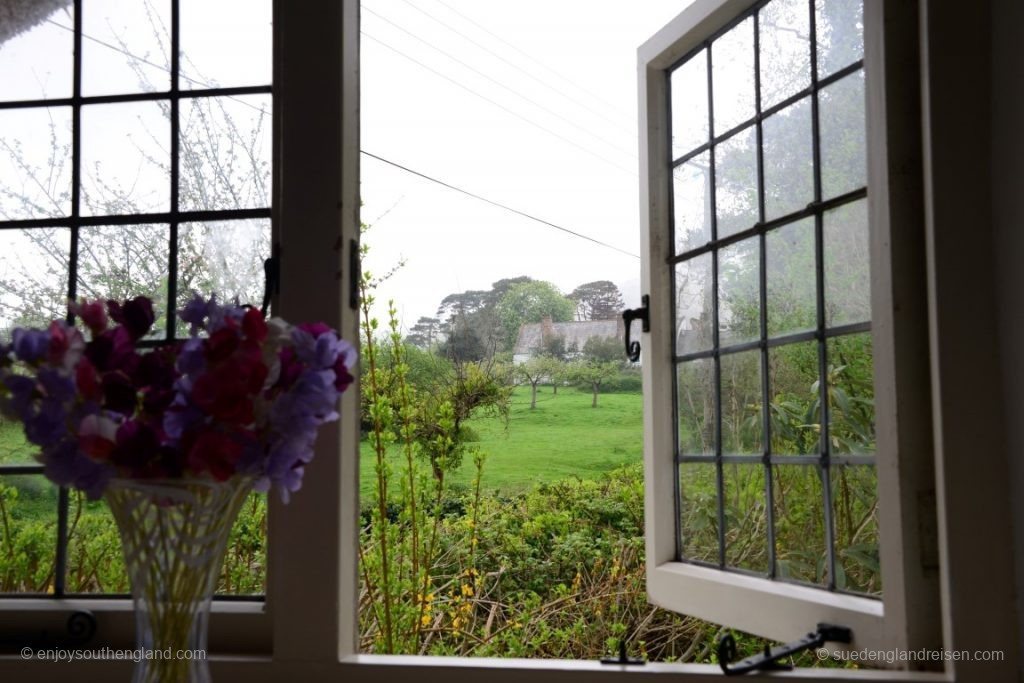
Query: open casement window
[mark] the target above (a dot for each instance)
(780, 490)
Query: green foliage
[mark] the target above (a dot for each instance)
(598, 300)
(530, 302)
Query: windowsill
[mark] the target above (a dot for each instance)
(356, 668)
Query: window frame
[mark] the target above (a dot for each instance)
(773, 609)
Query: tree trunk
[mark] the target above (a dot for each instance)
(533, 395)
(593, 404)
(554, 387)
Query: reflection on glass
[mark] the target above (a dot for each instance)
(839, 26)
(694, 322)
(784, 42)
(695, 396)
(125, 165)
(225, 153)
(851, 394)
(742, 429)
(795, 398)
(689, 88)
(29, 506)
(37, 63)
(847, 264)
(736, 183)
(33, 277)
(691, 203)
(225, 43)
(128, 46)
(123, 262)
(843, 130)
(789, 263)
(797, 504)
(35, 163)
(223, 258)
(788, 160)
(855, 511)
(746, 540)
(732, 73)
(698, 498)
(739, 306)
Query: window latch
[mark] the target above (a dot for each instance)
(628, 316)
(271, 277)
(623, 658)
(770, 659)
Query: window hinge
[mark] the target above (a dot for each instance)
(642, 314)
(623, 658)
(769, 660)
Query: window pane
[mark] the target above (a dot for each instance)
(855, 511)
(35, 163)
(843, 136)
(95, 561)
(27, 553)
(37, 63)
(225, 153)
(691, 203)
(798, 504)
(125, 166)
(125, 261)
(785, 47)
(689, 85)
(793, 382)
(225, 43)
(223, 258)
(789, 261)
(739, 306)
(694, 322)
(33, 277)
(746, 535)
(742, 431)
(244, 571)
(696, 401)
(126, 46)
(736, 183)
(847, 265)
(698, 498)
(732, 69)
(851, 394)
(788, 160)
(14, 448)
(840, 33)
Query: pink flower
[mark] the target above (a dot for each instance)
(66, 344)
(97, 436)
(88, 380)
(93, 314)
(215, 452)
(315, 329)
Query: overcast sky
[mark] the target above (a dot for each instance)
(569, 156)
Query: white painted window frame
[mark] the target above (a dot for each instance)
(774, 609)
(311, 608)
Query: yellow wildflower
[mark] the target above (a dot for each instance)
(425, 620)
(467, 589)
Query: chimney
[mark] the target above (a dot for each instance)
(547, 328)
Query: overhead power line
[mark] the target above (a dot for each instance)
(501, 106)
(533, 59)
(561, 92)
(515, 92)
(499, 204)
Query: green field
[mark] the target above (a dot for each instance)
(563, 437)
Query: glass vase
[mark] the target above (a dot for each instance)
(174, 534)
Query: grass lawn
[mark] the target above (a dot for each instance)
(563, 437)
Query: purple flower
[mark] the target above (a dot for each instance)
(30, 345)
(48, 425)
(67, 466)
(197, 310)
(135, 314)
(19, 404)
(57, 385)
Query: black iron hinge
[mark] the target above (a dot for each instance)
(642, 314)
(771, 658)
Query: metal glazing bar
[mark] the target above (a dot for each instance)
(173, 94)
(172, 236)
(138, 218)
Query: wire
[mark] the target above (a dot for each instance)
(533, 59)
(502, 85)
(513, 65)
(501, 106)
(498, 204)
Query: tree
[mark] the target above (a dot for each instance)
(598, 300)
(530, 302)
(601, 361)
(425, 333)
(536, 369)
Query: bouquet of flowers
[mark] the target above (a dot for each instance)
(241, 396)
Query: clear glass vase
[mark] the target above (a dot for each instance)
(173, 534)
